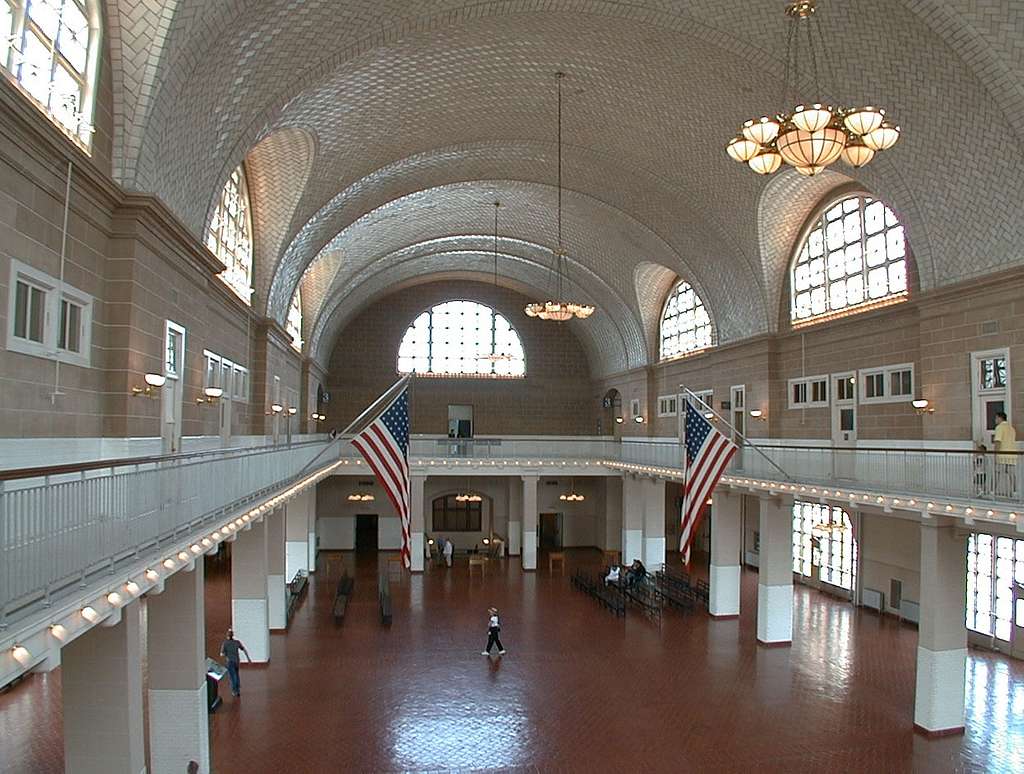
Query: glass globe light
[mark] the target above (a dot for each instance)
(856, 153)
(882, 138)
(557, 311)
(533, 310)
(862, 120)
(812, 118)
(761, 130)
(765, 162)
(741, 149)
(811, 149)
(808, 171)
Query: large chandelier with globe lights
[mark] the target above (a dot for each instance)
(559, 309)
(815, 134)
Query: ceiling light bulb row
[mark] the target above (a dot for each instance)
(812, 136)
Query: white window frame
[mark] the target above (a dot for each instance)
(48, 347)
(667, 405)
(171, 328)
(241, 374)
(809, 381)
(886, 373)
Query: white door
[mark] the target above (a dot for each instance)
(844, 424)
(1017, 633)
(738, 400)
(226, 383)
(173, 391)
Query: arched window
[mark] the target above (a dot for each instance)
(685, 323)
(230, 234)
(854, 255)
(50, 48)
(294, 323)
(461, 338)
(832, 552)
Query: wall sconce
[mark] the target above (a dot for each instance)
(710, 416)
(21, 654)
(276, 408)
(292, 411)
(619, 420)
(638, 419)
(922, 406)
(210, 395)
(152, 380)
(317, 417)
(758, 414)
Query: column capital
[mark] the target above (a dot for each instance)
(527, 477)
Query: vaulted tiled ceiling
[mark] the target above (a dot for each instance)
(378, 131)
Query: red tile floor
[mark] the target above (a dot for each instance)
(578, 691)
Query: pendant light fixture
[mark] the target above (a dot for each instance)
(467, 496)
(812, 135)
(572, 496)
(559, 309)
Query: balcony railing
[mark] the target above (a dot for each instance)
(62, 526)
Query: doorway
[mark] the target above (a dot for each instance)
(366, 534)
(460, 421)
(550, 531)
(1017, 633)
(173, 392)
(611, 413)
(990, 381)
(738, 401)
(844, 424)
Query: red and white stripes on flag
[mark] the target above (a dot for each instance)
(707, 454)
(384, 444)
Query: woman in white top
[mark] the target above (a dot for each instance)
(449, 551)
(493, 629)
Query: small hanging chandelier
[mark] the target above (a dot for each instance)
(468, 496)
(813, 135)
(572, 496)
(559, 309)
(361, 497)
(495, 356)
(834, 526)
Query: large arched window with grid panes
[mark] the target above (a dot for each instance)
(229, 236)
(685, 323)
(50, 48)
(462, 338)
(293, 325)
(824, 547)
(854, 257)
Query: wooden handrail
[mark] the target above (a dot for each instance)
(14, 474)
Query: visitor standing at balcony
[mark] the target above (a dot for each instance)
(230, 651)
(1006, 460)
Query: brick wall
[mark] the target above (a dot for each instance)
(547, 401)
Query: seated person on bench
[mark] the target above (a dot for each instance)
(636, 573)
(613, 576)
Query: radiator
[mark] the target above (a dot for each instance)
(873, 599)
(910, 611)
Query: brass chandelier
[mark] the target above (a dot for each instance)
(559, 309)
(813, 135)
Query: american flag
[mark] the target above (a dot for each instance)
(384, 444)
(707, 454)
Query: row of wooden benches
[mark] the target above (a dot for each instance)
(344, 590)
(610, 597)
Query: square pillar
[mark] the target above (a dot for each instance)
(612, 536)
(654, 524)
(277, 601)
(632, 520)
(775, 574)
(942, 634)
(249, 615)
(726, 545)
(179, 726)
(101, 687)
(530, 522)
(296, 547)
(515, 517)
(417, 521)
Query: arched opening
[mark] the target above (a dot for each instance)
(611, 413)
(686, 326)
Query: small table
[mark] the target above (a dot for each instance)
(479, 562)
(556, 556)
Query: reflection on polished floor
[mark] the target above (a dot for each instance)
(578, 691)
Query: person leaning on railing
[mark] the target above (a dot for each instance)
(1006, 463)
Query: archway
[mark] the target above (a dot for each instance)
(611, 413)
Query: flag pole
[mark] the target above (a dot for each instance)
(746, 441)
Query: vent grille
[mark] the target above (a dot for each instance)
(990, 326)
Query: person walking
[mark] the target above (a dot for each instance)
(449, 552)
(230, 651)
(493, 630)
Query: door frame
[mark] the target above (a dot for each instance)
(979, 432)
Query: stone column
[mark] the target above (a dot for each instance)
(775, 574)
(530, 522)
(515, 514)
(179, 726)
(942, 634)
(417, 521)
(101, 686)
(249, 591)
(632, 520)
(726, 544)
(296, 547)
(612, 536)
(311, 511)
(277, 613)
(654, 523)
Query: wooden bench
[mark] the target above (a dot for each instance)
(479, 562)
(294, 592)
(384, 597)
(341, 597)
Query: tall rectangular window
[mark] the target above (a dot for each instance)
(70, 334)
(29, 311)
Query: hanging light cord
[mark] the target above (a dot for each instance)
(496, 206)
(558, 256)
